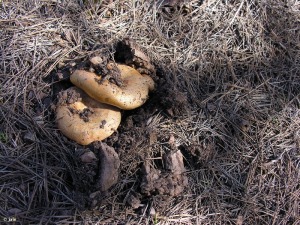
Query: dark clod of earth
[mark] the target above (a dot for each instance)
(85, 113)
(68, 97)
(171, 181)
(103, 122)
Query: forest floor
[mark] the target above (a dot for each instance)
(227, 100)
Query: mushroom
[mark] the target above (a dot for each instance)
(83, 119)
(130, 95)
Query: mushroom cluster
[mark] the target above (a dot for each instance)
(91, 111)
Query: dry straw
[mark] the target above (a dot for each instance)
(236, 61)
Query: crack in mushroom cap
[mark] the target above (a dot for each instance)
(102, 120)
(132, 94)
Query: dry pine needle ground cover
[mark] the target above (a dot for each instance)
(228, 82)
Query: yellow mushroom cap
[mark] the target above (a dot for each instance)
(132, 94)
(85, 120)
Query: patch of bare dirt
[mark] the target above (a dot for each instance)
(100, 164)
(96, 172)
(86, 172)
(172, 100)
(171, 181)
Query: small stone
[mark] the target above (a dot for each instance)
(60, 76)
(110, 66)
(152, 212)
(94, 194)
(240, 220)
(96, 60)
(29, 137)
(61, 65)
(134, 202)
(39, 120)
(88, 157)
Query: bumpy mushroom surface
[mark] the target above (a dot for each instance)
(132, 94)
(83, 119)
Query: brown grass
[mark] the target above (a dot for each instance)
(238, 62)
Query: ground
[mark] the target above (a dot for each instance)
(217, 142)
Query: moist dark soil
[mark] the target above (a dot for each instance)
(103, 162)
(129, 53)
